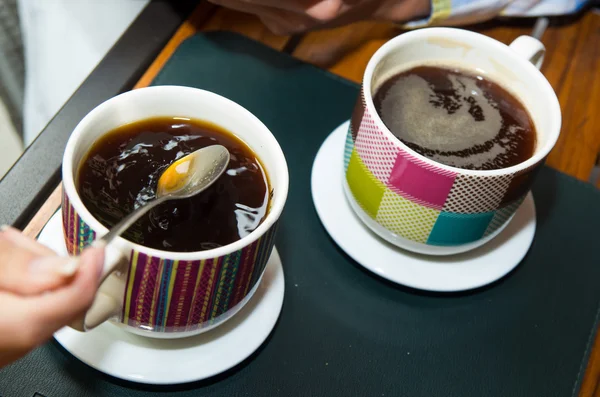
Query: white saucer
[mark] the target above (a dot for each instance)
(116, 352)
(460, 272)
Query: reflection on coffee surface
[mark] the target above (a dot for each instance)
(456, 118)
(121, 172)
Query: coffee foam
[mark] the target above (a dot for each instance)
(410, 113)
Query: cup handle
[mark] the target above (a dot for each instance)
(109, 297)
(529, 48)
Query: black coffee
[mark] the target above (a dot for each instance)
(121, 172)
(456, 118)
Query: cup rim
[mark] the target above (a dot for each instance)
(482, 41)
(278, 200)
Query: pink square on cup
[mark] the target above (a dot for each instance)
(420, 182)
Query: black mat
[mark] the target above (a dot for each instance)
(345, 332)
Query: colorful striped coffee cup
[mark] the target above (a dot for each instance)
(167, 294)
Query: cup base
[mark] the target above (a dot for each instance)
(218, 321)
(403, 243)
(459, 272)
(124, 355)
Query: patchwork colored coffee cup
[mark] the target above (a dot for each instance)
(424, 206)
(169, 294)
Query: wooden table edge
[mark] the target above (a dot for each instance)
(200, 15)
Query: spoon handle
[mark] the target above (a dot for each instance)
(130, 219)
(539, 28)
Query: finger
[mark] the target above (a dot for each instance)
(64, 305)
(352, 12)
(277, 13)
(326, 10)
(16, 237)
(277, 20)
(40, 316)
(244, 6)
(23, 271)
(403, 10)
(251, 6)
(320, 10)
(285, 27)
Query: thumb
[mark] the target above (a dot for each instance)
(69, 303)
(24, 271)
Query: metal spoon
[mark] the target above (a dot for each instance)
(185, 178)
(539, 28)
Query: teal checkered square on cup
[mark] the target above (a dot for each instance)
(454, 229)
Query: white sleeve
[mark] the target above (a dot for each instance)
(63, 41)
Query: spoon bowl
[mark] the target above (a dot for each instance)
(185, 178)
(193, 173)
